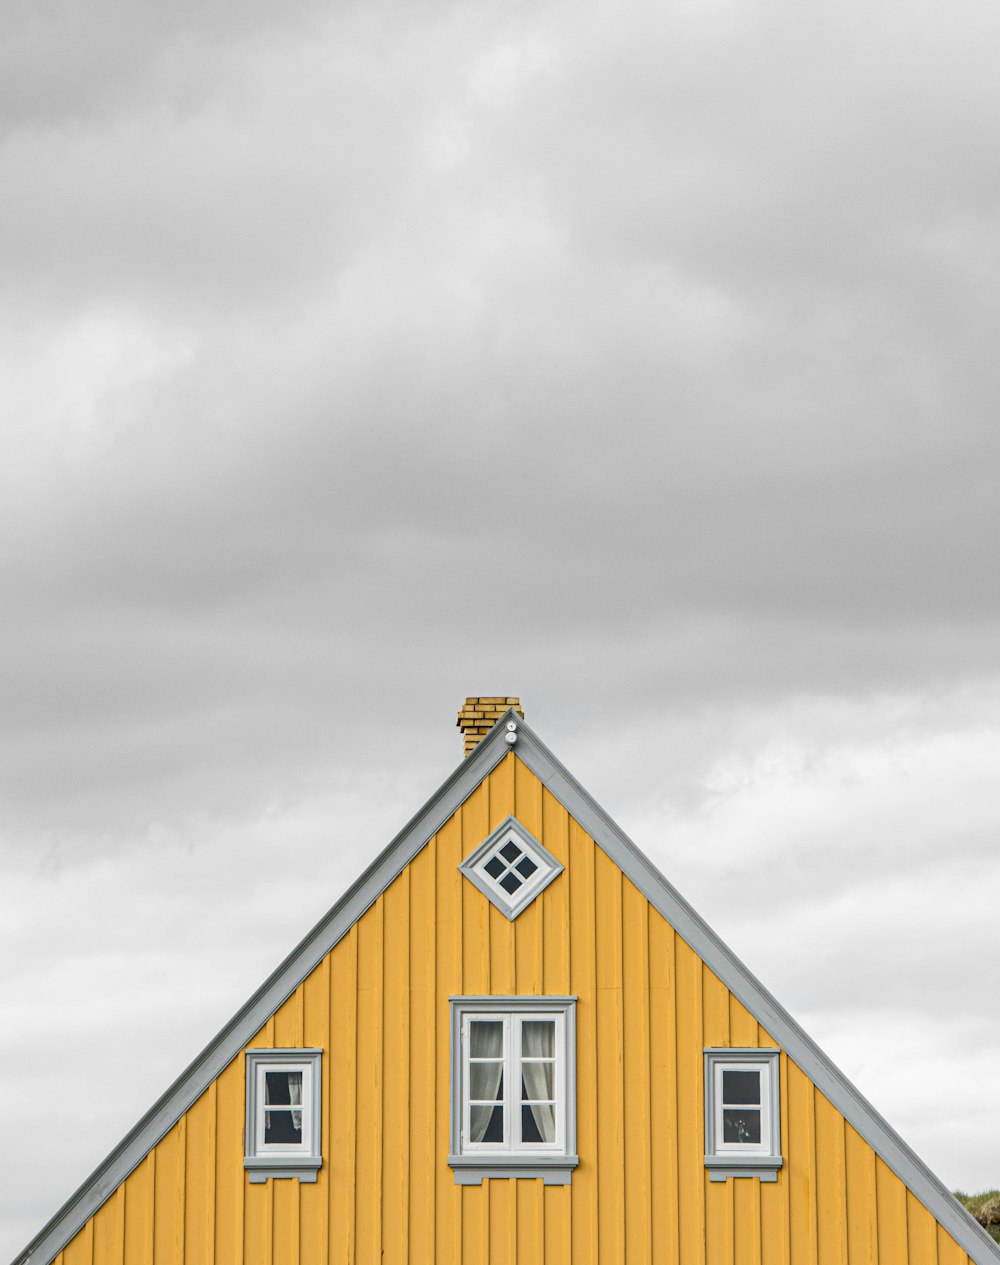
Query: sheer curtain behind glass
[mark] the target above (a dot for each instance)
(485, 1042)
(538, 1042)
(295, 1098)
(282, 1107)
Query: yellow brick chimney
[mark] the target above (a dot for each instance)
(479, 715)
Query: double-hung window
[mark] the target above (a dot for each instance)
(742, 1121)
(283, 1121)
(513, 1088)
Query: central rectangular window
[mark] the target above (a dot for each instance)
(514, 1082)
(513, 1087)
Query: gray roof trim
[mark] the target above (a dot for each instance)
(365, 891)
(223, 1048)
(772, 1016)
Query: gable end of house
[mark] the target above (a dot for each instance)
(510, 738)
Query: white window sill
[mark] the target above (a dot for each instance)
(554, 1170)
(720, 1167)
(261, 1167)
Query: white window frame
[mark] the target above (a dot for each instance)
(743, 1159)
(548, 868)
(283, 1159)
(553, 1161)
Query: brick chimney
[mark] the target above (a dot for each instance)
(479, 715)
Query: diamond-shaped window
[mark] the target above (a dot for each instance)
(511, 867)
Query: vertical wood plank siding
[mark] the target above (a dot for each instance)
(378, 1006)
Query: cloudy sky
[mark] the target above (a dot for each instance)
(636, 358)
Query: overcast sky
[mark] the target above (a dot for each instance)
(639, 359)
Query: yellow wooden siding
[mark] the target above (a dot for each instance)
(385, 1195)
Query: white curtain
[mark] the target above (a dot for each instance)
(295, 1098)
(538, 1040)
(485, 1042)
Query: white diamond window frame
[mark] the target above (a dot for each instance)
(511, 904)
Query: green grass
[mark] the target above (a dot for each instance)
(985, 1207)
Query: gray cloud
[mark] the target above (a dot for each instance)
(637, 360)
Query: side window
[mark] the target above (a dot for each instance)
(742, 1114)
(513, 1088)
(283, 1120)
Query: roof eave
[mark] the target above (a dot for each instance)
(255, 1012)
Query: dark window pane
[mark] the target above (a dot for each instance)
(538, 1083)
(538, 1041)
(529, 1130)
(283, 1126)
(494, 867)
(484, 1081)
(282, 1087)
(526, 866)
(740, 1126)
(486, 1039)
(538, 1123)
(494, 1130)
(510, 851)
(740, 1087)
(510, 883)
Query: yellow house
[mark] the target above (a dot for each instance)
(511, 1042)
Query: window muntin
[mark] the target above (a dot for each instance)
(484, 1046)
(283, 1128)
(513, 1088)
(284, 1104)
(540, 1081)
(741, 1098)
(513, 1082)
(511, 866)
(742, 1118)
